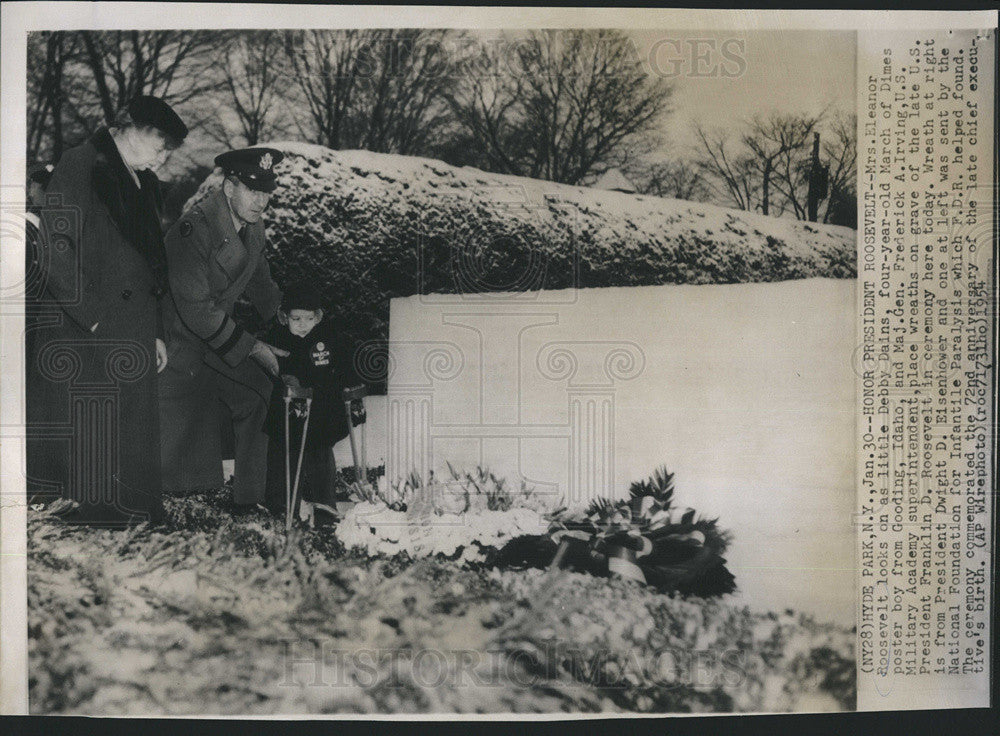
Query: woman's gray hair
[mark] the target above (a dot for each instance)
(123, 120)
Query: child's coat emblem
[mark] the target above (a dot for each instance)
(320, 355)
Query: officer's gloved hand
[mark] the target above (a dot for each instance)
(267, 356)
(358, 414)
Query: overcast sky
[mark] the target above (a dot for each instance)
(790, 71)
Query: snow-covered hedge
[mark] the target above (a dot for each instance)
(368, 227)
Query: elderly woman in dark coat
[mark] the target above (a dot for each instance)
(93, 333)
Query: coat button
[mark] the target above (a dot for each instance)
(126, 293)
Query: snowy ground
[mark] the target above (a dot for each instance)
(212, 615)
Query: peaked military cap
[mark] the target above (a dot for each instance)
(152, 111)
(252, 166)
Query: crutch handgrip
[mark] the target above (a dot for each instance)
(357, 392)
(298, 392)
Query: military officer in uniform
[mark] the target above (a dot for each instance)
(215, 255)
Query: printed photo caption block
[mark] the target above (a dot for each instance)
(926, 320)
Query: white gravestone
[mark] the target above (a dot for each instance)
(744, 391)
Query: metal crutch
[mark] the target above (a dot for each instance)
(360, 462)
(292, 491)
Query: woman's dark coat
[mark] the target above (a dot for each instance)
(91, 325)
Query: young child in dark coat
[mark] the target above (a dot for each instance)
(320, 359)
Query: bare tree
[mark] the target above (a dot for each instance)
(48, 54)
(79, 80)
(768, 170)
(323, 66)
(250, 71)
(174, 65)
(840, 149)
(559, 105)
(403, 100)
(679, 178)
(837, 162)
(487, 107)
(381, 90)
(732, 174)
(777, 143)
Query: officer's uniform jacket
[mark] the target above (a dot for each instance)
(208, 366)
(210, 268)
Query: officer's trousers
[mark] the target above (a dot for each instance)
(191, 402)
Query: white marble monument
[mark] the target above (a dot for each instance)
(744, 391)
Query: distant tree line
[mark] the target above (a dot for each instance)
(766, 167)
(564, 106)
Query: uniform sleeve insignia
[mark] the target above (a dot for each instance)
(185, 228)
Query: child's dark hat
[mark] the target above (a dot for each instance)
(301, 295)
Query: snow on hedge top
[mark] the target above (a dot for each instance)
(409, 181)
(366, 227)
